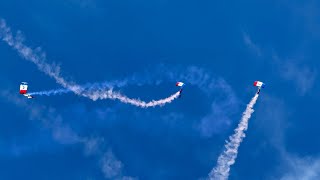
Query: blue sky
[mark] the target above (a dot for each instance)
(217, 48)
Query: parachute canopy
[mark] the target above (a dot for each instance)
(23, 88)
(259, 84)
(181, 84)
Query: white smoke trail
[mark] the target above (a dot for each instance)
(39, 59)
(110, 94)
(229, 155)
(36, 56)
(50, 92)
(136, 102)
(86, 87)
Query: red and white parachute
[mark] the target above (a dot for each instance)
(259, 84)
(24, 90)
(180, 84)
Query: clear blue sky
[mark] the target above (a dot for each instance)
(217, 48)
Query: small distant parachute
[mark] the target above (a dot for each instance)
(24, 90)
(259, 84)
(180, 84)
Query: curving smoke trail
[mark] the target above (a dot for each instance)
(39, 59)
(35, 56)
(110, 94)
(136, 102)
(229, 155)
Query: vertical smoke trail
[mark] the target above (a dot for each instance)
(229, 155)
(52, 70)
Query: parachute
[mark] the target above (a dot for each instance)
(180, 84)
(259, 84)
(24, 90)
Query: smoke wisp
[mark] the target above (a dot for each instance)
(39, 59)
(228, 157)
